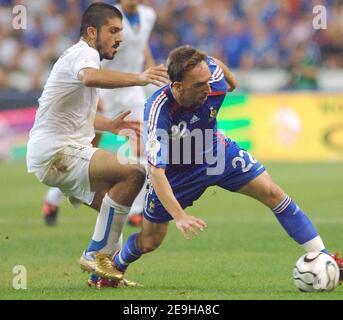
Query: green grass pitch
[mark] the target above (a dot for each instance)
(243, 254)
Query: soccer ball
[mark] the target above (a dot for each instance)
(316, 271)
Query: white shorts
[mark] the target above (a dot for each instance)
(68, 170)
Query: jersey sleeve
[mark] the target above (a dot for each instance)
(87, 58)
(156, 131)
(217, 81)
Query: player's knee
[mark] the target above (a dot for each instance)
(150, 244)
(136, 176)
(275, 195)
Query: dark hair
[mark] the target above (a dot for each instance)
(182, 60)
(97, 15)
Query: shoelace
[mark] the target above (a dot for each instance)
(105, 260)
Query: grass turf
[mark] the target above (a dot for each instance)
(243, 254)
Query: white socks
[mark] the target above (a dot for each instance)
(54, 196)
(107, 235)
(316, 244)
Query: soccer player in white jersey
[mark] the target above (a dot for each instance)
(60, 153)
(133, 56)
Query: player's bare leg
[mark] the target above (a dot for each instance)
(151, 235)
(264, 190)
(107, 173)
(118, 185)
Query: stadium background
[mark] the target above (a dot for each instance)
(288, 106)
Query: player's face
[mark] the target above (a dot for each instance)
(195, 85)
(109, 38)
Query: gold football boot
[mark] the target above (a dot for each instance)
(87, 262)
(100, 264)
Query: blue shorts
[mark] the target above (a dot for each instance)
(189, 183)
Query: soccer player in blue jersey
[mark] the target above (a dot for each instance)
(179, 175)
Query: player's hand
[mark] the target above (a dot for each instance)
(231, 84)
(190, 224)
(231, 88)
(124, 127)
(155, 75)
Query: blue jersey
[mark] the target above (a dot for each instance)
(167, 124)
(171, 130)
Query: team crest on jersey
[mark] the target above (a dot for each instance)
(151, 206)
(153, 146)
(213, 114)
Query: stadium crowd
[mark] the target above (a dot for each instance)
(246, 34)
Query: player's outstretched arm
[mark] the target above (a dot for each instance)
(184, 222)
(156, 75)
(107, 79)
(118, 125)
(229, 77)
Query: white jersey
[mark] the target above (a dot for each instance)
(67, 108)
(129, 58)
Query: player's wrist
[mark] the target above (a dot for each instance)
(141, 79)
(180, 215)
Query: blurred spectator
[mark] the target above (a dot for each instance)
(236, 41)
(246, 34)
(303, 68)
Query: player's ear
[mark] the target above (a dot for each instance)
(91, 33)
(177, 85)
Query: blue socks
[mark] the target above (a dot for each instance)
(298, 225)
(128, 254)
